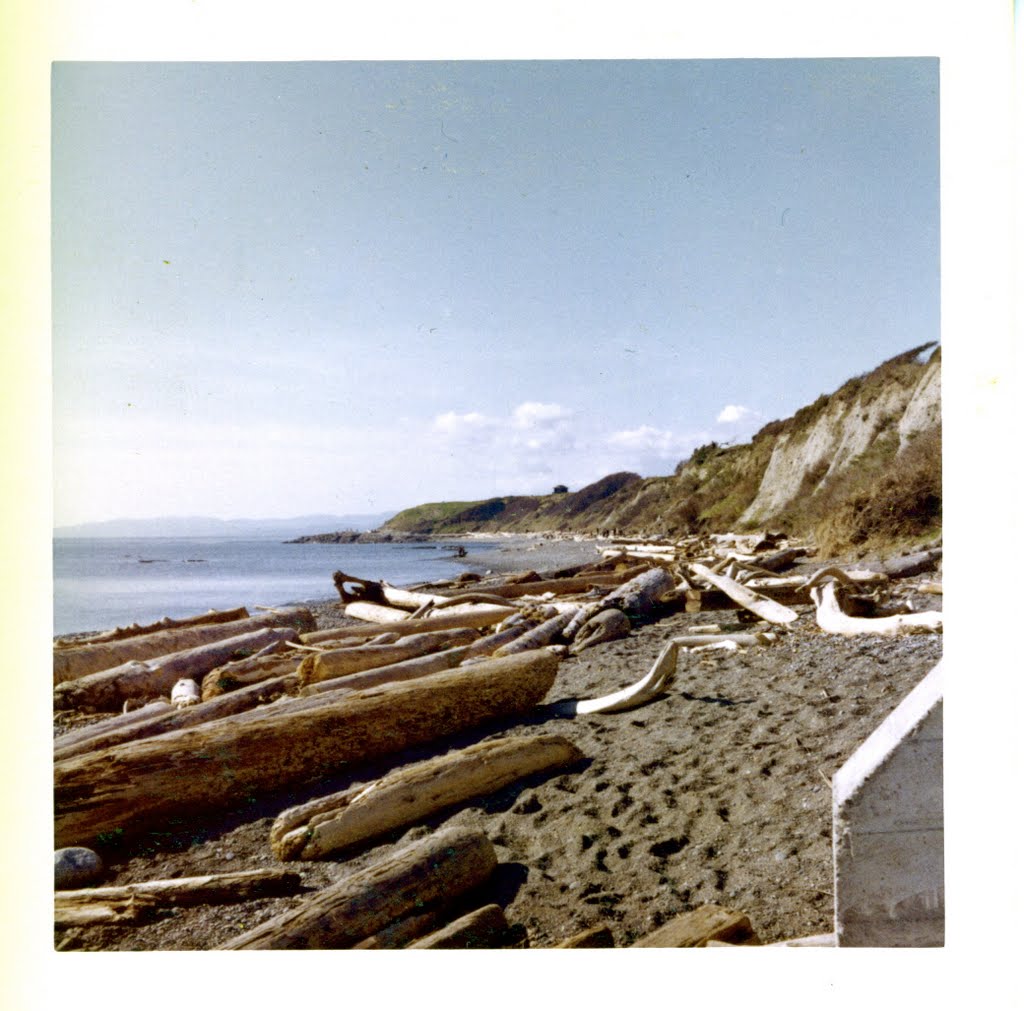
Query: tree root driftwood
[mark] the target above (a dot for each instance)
(433, 870)
(404, 796)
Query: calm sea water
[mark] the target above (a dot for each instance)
(99, 583)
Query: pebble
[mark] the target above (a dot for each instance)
(75, 866)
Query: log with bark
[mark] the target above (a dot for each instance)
(77, 662)
(912, 565)
(444, 865)
(136, 785)
(405, 796)
(130, 631)
(336, 662)
(140, 902)
(107, 690)
(480, 618)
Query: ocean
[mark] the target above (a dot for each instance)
(103, 582)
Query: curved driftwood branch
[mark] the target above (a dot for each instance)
(832, 618)
(653, 683)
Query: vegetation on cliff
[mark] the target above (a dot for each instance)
(854, 469)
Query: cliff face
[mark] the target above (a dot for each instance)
(859, 464)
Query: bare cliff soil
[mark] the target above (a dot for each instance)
(718, 791)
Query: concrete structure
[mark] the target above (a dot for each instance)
(887, 829)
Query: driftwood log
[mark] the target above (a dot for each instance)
(364, 610)
(762, 606)
(478, 618)
(437, 868)
(641, 594)
(696, 928)
(405, 796)
(135, 903)
(130, 631)
(107, 690)
(133, 786)
(77, 662)
(406, 670)
(334, 663)
(485, 927)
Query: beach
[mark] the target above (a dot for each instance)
(718, 791)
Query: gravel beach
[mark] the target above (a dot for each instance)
(718, 791)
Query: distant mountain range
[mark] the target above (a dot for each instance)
(208, 526)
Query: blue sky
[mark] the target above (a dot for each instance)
(285, 288)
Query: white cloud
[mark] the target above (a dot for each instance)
(733, 413)
(453, 424)
(536, 415)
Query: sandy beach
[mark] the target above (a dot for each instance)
(716, 792)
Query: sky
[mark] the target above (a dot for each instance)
(283, 288)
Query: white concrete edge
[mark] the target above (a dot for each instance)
(883, 740)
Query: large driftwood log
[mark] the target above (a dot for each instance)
(405, 796)
(167, 719)
(124, 904)
(85, 735)
(77, 662)
(446, 864)
(479, 618)
(406, 670)
(832, 618)
(136, 785)
(641, 594)
(130, 631)
(762, 606)
(107, 690)
(334, 663)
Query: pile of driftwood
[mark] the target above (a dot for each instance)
(226, 705)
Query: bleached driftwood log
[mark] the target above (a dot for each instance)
(695, 928)
(336, 662)
(163, 625)
(123, 904)
(431, 870)
(534, 638)
(762, 606)
(407, 795)
(167, 719)
(574, 584)
(107, 690)
(379, 613)
(478, 618)
(136, 785)
(77, 662)
(831, 618)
